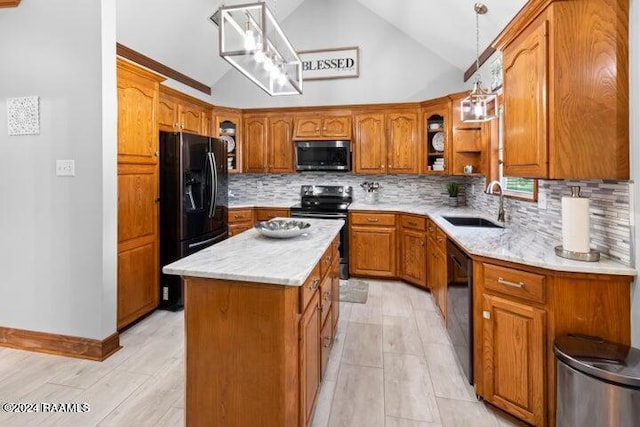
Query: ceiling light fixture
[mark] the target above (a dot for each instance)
(480, 105)
(252, 41)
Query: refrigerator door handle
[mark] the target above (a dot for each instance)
(214, 183)
(204, 242)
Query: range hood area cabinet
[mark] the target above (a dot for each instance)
(566, 94)
(323, 125)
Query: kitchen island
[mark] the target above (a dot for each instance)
(260, 316)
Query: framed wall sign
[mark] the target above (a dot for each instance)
(496, 73)
(330, 63)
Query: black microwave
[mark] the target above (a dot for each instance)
(323, 155)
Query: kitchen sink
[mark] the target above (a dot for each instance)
(471, 221)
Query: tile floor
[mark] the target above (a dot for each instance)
(392, 365)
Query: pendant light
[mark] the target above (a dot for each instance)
(251, 40)
(480, 105)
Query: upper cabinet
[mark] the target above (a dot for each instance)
(323, 126)
(227, 126)
(566, 95)
(387, 142)
(267, 144)
(436, 117)
(181, 113)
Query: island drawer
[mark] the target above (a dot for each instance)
(373, 218)
(414, 222)
(522, 284)
(309, 287)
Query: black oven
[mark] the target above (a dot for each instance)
(328, 202)
(323, 155)
(460, 306)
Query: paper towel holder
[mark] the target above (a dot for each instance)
(591, 256)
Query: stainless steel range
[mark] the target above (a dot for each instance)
(327, 202)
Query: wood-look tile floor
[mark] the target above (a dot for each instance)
(392, 365)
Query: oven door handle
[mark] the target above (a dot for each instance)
(317, 215)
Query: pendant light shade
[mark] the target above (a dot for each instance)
(480, 105)
(252, 42)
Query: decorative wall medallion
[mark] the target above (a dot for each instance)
(23, 116)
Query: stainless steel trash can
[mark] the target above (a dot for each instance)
(598, 383)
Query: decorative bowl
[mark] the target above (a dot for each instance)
(282, 228)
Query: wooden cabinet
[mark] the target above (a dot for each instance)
(437, 266)
(372, 237)
(228, 126)
(469, 142)
(181, 113)
(9, 3)
(413, 249)
(265, 214)
(309, 358)
(322, 126)
(558, 127)
(436, 117)
(268, 146)
(240, 220)
(138, 192)
(387, 142)
(518, 313)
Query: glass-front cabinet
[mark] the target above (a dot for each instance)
(228, 128)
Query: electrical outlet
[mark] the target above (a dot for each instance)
(473, 189)
(65, 168)
(414, 186)
(542, 201)
(259, 185)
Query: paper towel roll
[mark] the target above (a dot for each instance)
(575, 224)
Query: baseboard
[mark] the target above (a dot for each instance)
(63, 345)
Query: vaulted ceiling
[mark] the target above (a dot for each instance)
(180, 35)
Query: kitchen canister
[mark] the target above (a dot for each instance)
(576, 229)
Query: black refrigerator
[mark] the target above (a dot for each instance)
(193, 203)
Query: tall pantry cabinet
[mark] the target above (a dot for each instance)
(138, 242)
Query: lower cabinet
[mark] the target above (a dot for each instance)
(513, 357)
(372, 240)
(437, 266)
(413, 250)
(240, 220)
(518, 313)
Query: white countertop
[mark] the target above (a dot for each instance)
(251, 257)
(508, 244)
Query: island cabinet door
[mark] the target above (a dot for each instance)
(309, 358)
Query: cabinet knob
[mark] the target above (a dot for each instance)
(421, 243)
(327, 342)
(486, 314)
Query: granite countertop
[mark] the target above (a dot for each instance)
(509, 244)
(252, 257)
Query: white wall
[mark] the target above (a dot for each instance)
(385, 73)
(57, 245)
(634, 120)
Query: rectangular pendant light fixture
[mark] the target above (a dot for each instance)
(252, 41)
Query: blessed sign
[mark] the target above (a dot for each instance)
(329, 64)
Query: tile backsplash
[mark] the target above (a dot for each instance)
(609, 200)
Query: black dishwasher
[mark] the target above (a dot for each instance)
(460, 306)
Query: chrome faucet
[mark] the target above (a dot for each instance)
(490, 189)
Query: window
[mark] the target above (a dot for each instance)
(520, 188)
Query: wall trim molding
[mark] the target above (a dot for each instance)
(62, 345)
(9, 3)
(152, 64)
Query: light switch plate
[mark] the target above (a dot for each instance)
(65, 168)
